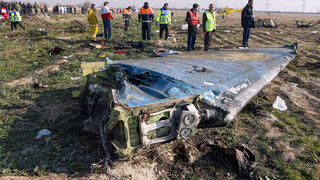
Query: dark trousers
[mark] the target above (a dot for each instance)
(146, 30)
(192, 36)
(207, 40)
(246, 36)
(126, 25)
(164, 27)
(107, 28)
(14, 25)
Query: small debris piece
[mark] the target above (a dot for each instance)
(279, 104)
(184, 27)
(120, 52)
(267, 23)
(199, 69)
(303, 24)
(56, 51)
(43, 132)
(75, 78)
(162, 52)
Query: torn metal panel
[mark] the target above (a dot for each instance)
(161, 99)
(226, 82)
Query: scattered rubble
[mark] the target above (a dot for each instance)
(303, 24)
(163, 52)
(238, 156)
(267, 23)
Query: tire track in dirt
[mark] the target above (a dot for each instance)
(297, 37)
(310, 54)
(216, 41)
(267, 39)
(226, 41)
(276, 38)
(258, 40)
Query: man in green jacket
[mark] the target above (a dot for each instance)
(36, 7)
(18, 7)
(164, 18)
(209, 25)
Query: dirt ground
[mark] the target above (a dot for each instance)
(286, 144)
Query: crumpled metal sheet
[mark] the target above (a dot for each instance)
(227, 82)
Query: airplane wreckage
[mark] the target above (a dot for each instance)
(137, 103)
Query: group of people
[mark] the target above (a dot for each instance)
(24, 8)
(64, 10)
(163, 19)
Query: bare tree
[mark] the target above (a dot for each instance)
(87, 4)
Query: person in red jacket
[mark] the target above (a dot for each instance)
(4, 13)
(106, 16)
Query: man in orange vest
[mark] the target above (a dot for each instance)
(193, 20)
(146, 16)
(127, 17)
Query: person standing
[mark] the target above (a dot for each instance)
(18, 6)
(146, 16)
(15, 19)
(247, 22)
(193, 20)
(41, 9)
(93, 22)
(29, 8)
(164, 18)
(36, 7)
(127, 18)
(24, 8)
(209, 25)
(106, 16)
(4, 12)
(223, 14)
(45, 8)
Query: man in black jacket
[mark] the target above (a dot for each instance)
(247, 21)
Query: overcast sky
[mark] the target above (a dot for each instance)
(275, 5)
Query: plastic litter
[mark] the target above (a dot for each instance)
(75, 78)
(279, 104)
(226, 31)
(184, 27)
(315, 32)
(43, 132)
(108, 60)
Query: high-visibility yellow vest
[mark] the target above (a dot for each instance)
(164, 16)
(211, 21)
(15, 16)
